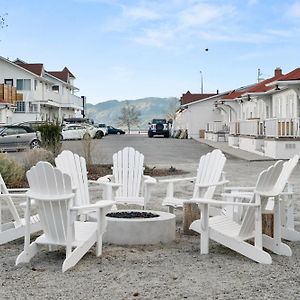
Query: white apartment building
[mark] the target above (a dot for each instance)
(42, 95)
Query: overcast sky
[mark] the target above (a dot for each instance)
(133, 49)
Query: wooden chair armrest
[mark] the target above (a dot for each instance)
(16, 190)
(212, 184)
(149, 180)
(95, 206)
(218, 202)
(237, 188)
(176, 180)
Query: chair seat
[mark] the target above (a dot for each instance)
(83, 232)
(220, 224)
(175, 202)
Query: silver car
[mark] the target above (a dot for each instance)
(18, 137)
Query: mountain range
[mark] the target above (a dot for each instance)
(152, 107)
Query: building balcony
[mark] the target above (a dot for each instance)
(269, 128)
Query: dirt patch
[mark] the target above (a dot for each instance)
(96, 171)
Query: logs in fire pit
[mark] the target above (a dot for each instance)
(132, 215)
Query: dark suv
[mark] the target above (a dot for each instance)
(159, 127)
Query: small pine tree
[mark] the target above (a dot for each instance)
(51, 136)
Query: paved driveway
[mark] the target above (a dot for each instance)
(157, 150)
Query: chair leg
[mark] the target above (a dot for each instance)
(171, 209)
(28, 253)
(204, 237)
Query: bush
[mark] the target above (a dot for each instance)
(51, 137)
(36, 155)
(13, 173)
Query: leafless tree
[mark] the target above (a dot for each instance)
(129, 116)
(171, 110)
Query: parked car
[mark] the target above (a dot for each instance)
(77, 131)
(14, 137)
(104, 128)
(32, 124)
(159, 127)
(113, 130)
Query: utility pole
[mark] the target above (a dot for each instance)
(201, 77)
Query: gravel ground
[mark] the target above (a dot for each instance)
(171, 271)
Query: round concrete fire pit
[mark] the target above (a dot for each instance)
(136, 227)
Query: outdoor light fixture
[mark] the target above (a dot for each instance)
(277, 88)
(222, 102)
(248, 98)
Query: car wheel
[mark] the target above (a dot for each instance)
(35, 144)
(166, 135)
(118, 133)
(150, 134)
(99, 135)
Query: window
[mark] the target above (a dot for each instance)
(9, 82)
(55, 88)
(33, 107)
(35, 84)
(23, 84)
(20, 106)
(15, 130)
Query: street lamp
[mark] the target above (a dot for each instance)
(201, 76)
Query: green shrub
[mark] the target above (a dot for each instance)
(12, 172)
(51, 137)
(35, 155)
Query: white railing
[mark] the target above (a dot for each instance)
(217, 127)
(251, 127)
(75, 100)
(282, 127)
(234, 128)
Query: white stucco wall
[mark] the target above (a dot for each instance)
(201, 113)
(285, 104)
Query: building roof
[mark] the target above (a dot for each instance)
(64, 75)
(293, 75)
(260, 87)
(235, 93)
(33, 68)
(37, 69)
(188, 97)
(263, 86)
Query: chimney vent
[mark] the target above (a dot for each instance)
(278, 72)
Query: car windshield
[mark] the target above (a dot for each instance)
(156, 121)
(1, 129)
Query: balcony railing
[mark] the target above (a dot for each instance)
(277, 128)
(252, 127)
(282, 127)
(234, 128)
(217, 127)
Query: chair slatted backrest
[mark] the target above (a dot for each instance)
(265, 185)
(288, 168)
(75, 166)
(7, 199)
(46, 185)
(209, 171)
(128, 170)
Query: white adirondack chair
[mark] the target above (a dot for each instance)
(234, 235)
(128, 184)
(288, 231)
(10, 231)
(75, 166)
(53, 194)
(209, 176)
